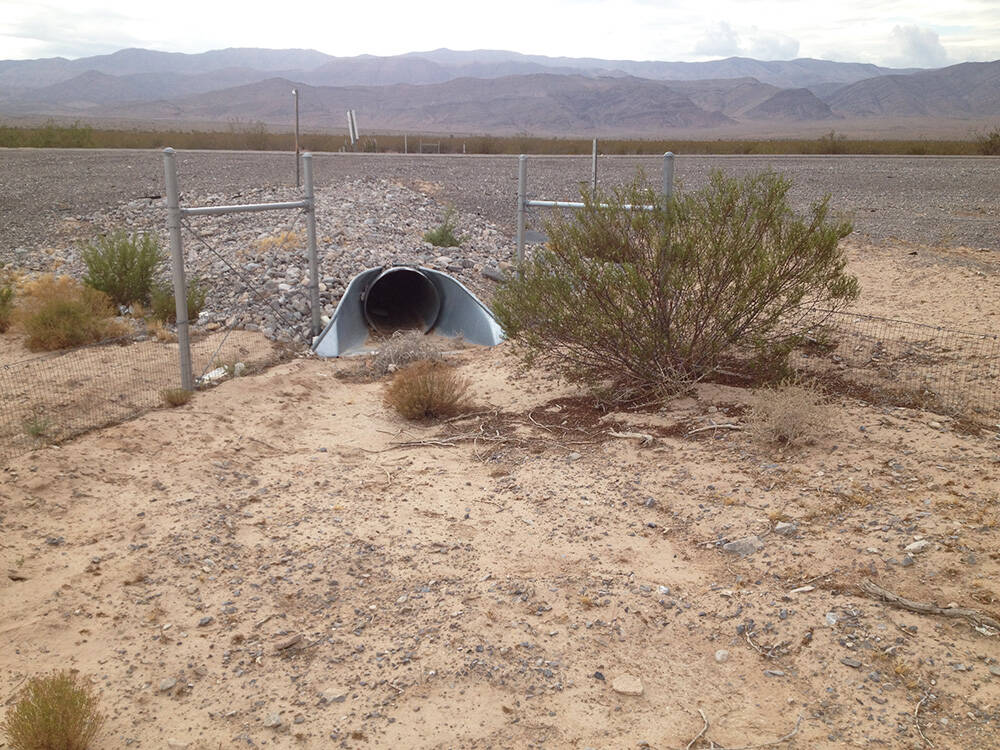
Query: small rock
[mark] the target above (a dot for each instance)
(784, 528)
(907, 561)
(401, 600)
(774, 673)
(574, 456)
(493, 273)
(663, 590)
(847, 661)
(273, 721)
(333, 695)
(599, 676)
(745, 546)
(205, 621)
(166, 684)
(934, 425)
(831, 618)
(995, 670)
(627, 684)
(918, 546)
(177, 744)
(722, 656)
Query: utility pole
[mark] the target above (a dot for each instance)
(295, 93)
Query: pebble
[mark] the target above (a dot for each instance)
(774, 672)
(918, 546)
(745, 546)
(205, 621)
(173, 744)
(995, 670)
(722, 656)
(627, 684)
(784, 528)
(273, 721)
(333, 695)
(166, 684)
(847, 661)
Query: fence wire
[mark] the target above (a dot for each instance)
(942, 370)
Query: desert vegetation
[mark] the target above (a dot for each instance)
(427, 389)
(54, 712)
(57, 312)
(122, 266)
(649, 301)
(255, 136)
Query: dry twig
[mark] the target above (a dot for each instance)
(916, 720)
(642, 437)
(701, 733)
(973, 615)
(714, 426)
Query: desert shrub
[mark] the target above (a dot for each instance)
(428, 390)
(7, 295)
(164, 306)
(58, 312)
(989, 143)
(122, 266)
(444, 234)
(790, 414)
(54, 712)
(176, 396)
(402, 348)
(650, 301)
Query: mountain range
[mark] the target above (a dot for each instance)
(488, 91)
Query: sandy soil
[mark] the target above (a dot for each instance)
(285, 563)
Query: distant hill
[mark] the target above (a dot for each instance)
(488, 91)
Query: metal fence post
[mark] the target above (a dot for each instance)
(522, 185)
(177, 265)
(668, 174)
(307, 168)
(594, 168)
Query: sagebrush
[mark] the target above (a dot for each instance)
(58, 312)
(7, 295)
(54, 712)
(176, 396)
(428, 390)
(644, 301)
(791, 414)
(163, 301)
(122, 266)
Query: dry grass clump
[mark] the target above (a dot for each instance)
(7, 294)
(176, 396)
(428, 390)
(58, 312)
(54, 712)
(402, 348)
(790, 414)
(281, 241)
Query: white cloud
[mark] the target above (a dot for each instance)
(719, 40)
(773, 47)
(918, 48)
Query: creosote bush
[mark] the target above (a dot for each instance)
(54, 712)
(444, 234)
(648, 302)
(428, 390)
(58, 312)
(122, 266)
(791, 414)
(164, 307)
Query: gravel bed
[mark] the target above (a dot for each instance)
(373, 210)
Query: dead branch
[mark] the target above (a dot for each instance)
(701, 733)
(916, 720)
(714, 426)
(795, 730)
(768, 652)
(973, 615)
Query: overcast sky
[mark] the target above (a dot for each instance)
(920, 33)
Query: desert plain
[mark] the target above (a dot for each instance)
(284, 562)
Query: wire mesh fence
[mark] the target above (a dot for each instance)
(53, 397)
(942, 370)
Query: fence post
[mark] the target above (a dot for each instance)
(668, 174)
(307, 168)
(522, 185)
(594, 168)
(177, 265)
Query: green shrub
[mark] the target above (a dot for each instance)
(54, 712)
(7, 294)
(163, 302)
(428, 390)
(650, 301)
(444, 234)
(989, 143)
(60, 312)
(122, 266)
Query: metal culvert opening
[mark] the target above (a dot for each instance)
(402, 298)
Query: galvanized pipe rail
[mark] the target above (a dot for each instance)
(523, 203)
(174, 214)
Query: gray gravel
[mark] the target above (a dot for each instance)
(920, 200)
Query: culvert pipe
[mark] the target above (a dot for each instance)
(402, 298)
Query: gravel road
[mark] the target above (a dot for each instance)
(922, 200)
